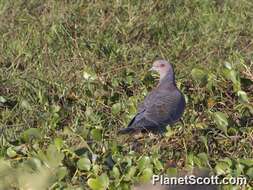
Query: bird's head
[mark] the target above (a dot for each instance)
(164, 68)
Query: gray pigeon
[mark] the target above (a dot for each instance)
(164, 105)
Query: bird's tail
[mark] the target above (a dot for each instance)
(126, 130)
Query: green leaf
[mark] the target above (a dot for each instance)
(104, 180)
(99, 183)
(228, 161)
(95, 184)
(61, 173)
(169, 132)
(2, 99)
(130, 173)
(11, 152)
(96, 134)
(204, 158)
(242, 96)
(239, 169)
(30, 134)
(96, 169)
(143, 163)
(54, 156)
(233, 76)
(199, 76)
(158, 165)
(58, 143)
(34, 163)
(116, 108)
(222, 168)
(146, 175)
(84, 164)
(247, 162)
(203, 139)
(115, 172)
(190, 159)
(171, 171)
(250, 173)
(221, 121)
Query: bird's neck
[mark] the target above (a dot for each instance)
(167, 77)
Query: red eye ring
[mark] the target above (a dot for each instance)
(162, 65)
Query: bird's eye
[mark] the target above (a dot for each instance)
(162, 65)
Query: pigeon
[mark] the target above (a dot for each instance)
(163, 106)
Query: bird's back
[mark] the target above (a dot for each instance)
(165, 104)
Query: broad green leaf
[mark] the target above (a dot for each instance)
(204, 158)
(96, 134)
(99, 183)
(116, 108)
(239, 169)
(171, 171)
(58, 143)
(95, 184)
(158, 165)
(242, 96)
(222, 168)
(197, 161)
(204, 140)
(247, 162)
(11, 152)
(232, 131)
(211, 82)
(115, 172)
(84, 164)
(96, 168)
(54, 156)
(190, 159)
(228, 161)
(146, 175)
(250, 173)
(221, 121)
(199, 76)
(130, 173)
(233, 76)
(2, 99)
(34, 163)
(30, 134)
(104, 180)
(61, 173)
(169, 132)
(143, 163)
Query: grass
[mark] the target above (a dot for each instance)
(72, 73)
